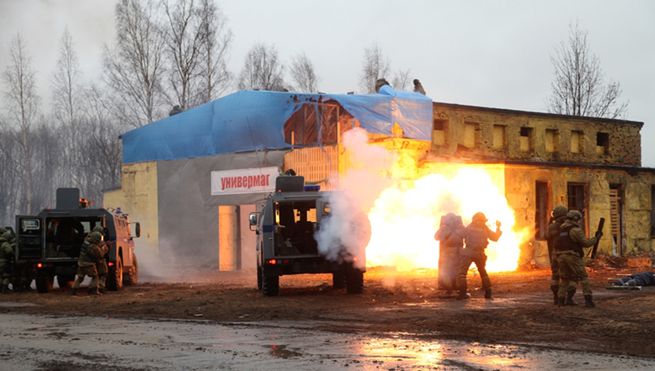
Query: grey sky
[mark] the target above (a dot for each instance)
(475, 52)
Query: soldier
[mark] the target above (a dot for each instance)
(86, 263)
(568, 250)
(6, 258)
(476, 237)
(101, 264)
(451, 241)
(379, 83)
(418, 87)
(558, 217)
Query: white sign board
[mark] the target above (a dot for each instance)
(239, 181)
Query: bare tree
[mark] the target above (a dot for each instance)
(66, 105)
(22, 108)
(578, 87)
(375, 66)
(217, 39)
(262, 69)
(303, 75)
(134, 68)
(401, 80)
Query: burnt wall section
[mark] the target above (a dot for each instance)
(469, 132)
(632, 186)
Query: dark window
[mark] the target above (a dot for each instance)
(541, 216)
(652, 211)
(440, 125)
(439, 132)
(577, 200)
(602, 143)
(525, 140)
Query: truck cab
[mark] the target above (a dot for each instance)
(286, 225)
(48, 244)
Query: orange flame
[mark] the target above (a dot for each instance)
(406, 215)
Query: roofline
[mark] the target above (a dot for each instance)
(627, 168)
(639, 124)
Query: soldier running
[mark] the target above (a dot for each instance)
(568, 250)
(558, 217)
(476, 237)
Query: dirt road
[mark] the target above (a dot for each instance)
(521, 313)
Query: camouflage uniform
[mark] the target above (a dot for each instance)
(450, 236)
(86, 263)
(568, 250)
(6, 258)
(101, 265)
(476, 236)
(558, 217)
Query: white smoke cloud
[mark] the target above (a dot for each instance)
(357, 189)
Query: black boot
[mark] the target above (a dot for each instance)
(74, 291)
(463, 295)
(588, 302)
(561, 301)
(487, 293)
(554, 289)
(569, 297)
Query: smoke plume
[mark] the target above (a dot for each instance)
(345, 234)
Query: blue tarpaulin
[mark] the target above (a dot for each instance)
(254, 120)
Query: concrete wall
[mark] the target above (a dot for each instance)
(460, 131)
(188, 213)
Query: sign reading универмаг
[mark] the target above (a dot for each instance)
(240, 181)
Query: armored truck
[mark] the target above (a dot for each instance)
(48, 244)
(286, 225)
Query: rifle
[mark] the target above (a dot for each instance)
(601, 224)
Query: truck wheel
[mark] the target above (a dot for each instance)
(354, 281)
(132, 278)
(339, 279)
(115, 276)
(44, 283)
(270, 285)
(65, 282)
(259, 278)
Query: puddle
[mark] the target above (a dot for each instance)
(92, 342)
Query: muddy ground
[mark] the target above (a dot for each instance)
(521, 313)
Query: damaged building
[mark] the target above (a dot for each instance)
(193, 178)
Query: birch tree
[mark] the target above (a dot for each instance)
(262, 69)
(303, 75)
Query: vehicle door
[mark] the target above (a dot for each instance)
(30, 235)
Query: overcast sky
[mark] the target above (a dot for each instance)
(487, 53)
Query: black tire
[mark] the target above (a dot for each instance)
(115, 276)
(259, 278)
(65, 282)
(270, 285)
(132, 277)
(44, 283)
(354, 281)
(339, 280)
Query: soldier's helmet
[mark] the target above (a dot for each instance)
(6, 236)
(95, 237)
(479, 217)
(98, 228)
(574, 215)
(2, 231)
(560, 211)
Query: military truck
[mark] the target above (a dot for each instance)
(48, 244)
(286, 224)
